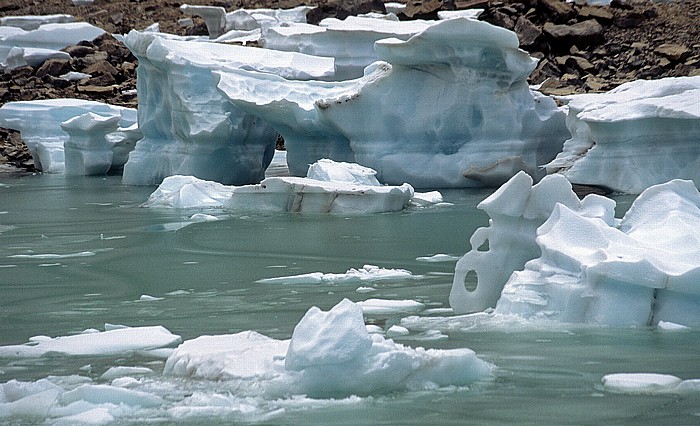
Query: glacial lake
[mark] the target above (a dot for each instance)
(202, 276)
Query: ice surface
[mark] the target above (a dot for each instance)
(551, 256)
(390, 307)
(516, 210)
(479, 122)
(367, 273)
(640, 383)
(219, 22)
(637, 272)
(40, 125)
(350, 41)
(615, 142)
(113, 341)
(188, 126)
(351, 195)
(32, 22)
(49, 37)
(330, 354)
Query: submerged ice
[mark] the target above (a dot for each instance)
(551, 256)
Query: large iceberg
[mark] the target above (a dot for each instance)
(640, 134)
(449, 107)
(552, 257)
(44, 126)
(189, 128)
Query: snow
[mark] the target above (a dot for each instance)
(615, 135)
(40, 123)
(189, 128)
(470, 132)
(367, 273)
(551, 256)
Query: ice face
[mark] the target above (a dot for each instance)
(615, 135)
(552, 257)
(219, 22)
(40, 124)
(470, 121)
(188, 126)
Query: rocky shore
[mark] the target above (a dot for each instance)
(581, 48)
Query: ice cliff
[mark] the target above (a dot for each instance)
(449, 107)
(551, 256)
(640, 134)
(188, 126)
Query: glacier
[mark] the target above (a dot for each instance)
(46, 126)
(466, 80)
(188, 127)
(551, 256)
(639, 134)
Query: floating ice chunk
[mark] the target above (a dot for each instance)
(121, 371)
(189, 192)
(670, 326)
(111, 342)
(366, 273)
(516, 210)
(40, 125)
(189, 128)
(615, 135)
(147, 298)
(641, 271)
(32, 22)
(474, 137)
(427, 198)
(440, 257)
(390, 307)
(331, 354)
(640, 383)
(103, 394)
(397, 331)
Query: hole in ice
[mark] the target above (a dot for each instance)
(484, 246)
(470, 281)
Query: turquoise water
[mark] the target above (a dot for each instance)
(106, 252)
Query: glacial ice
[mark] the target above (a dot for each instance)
(42, 42)
(40, 124)
(349, 41)
(639, 134)
(649, 383)
(32, 22)
(479, 124)
(115, 340)
(189, 128)
(353, 193)
(368, 273)
(330, 354)
(551, 256)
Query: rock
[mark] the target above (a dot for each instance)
(101, 68)
(581, 63)
(79, 51)
(421, 9)
(601, 14)
(673, 52)
(560, 10)
(96, 90)
(583, 33)
(23, 71)
(630, 20)
(527, 32)
(54, 67)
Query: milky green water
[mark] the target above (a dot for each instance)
(111, 252)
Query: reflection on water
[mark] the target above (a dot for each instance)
(78, 253)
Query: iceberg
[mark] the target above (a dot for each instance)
(330, 354)
(188, 127)
(551, 256)
(32, 22)
(354, 195)
(640, 134)
(41, 122)
(479, 122)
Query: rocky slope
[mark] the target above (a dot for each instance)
(582, 48)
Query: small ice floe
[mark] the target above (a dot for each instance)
(390, 307)
(646, 383)
(113, 341)
(147, 298)
(123, 371)
(440, 257)
(366, 273)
